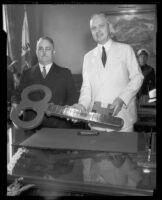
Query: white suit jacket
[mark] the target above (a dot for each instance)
(121, 77)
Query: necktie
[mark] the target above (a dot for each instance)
(103, 56)
(44, 72)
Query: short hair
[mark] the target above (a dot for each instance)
(103, 13)
(45, 38)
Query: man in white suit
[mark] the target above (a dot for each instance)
(114, 82)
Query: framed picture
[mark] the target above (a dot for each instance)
(135, 28)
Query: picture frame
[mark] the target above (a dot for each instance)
(135, 27)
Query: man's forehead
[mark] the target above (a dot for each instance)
(98, 19)
(44, 42)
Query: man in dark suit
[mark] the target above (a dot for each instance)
(148, 73)
(57, 79)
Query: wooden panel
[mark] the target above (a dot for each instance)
(69, 139)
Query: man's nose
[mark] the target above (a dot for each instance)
(43, 52)
(98, 30)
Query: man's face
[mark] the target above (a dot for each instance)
(142, 59)
(45, 52)
(100, 29)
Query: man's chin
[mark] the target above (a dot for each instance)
(45, 62)
(100, 41)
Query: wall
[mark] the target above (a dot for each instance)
(68, 25)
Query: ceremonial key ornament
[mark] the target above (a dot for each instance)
(43, 107)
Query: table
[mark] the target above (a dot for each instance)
(65, 170)
(146, 113)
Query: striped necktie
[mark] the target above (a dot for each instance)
(44, 72)
(104, 57)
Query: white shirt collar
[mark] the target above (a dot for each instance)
(107, 45)
(47, 67)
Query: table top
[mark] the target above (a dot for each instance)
(78, 139)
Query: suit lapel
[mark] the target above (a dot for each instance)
(35, 72)
(98, 66)
(53, 74)
(53, 70)
(97, 58)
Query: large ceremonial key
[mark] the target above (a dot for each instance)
(43, 107)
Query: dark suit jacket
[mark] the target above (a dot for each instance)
(59, 80)
(149, 80)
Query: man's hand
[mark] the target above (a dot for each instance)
(117, 106)
(16, 188)
(79, 107)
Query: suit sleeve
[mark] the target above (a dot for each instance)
(135, 77)
(71, 89)
(85, 92)
(152, 84)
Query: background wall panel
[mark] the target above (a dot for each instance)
(68, 25)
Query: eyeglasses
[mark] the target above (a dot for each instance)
(47, 49)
